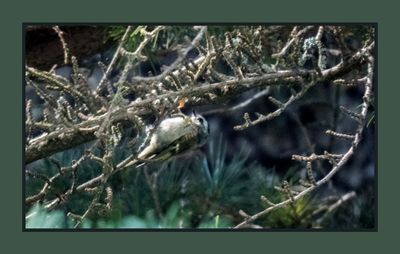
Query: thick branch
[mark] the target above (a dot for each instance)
(66, 138)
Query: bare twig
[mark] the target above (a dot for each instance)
(49, 181)
(291, 41)
(276, 113)
(340, 135)
(175, 64)
(343, 159)
(64, 45)
(113, 60)
(332, 208)
(95, 115)
(62, 139)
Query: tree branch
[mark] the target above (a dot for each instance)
(343, 159)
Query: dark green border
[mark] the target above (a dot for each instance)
(12, 16)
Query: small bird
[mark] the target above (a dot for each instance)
(173, 136)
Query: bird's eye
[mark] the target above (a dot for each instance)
(200, 120)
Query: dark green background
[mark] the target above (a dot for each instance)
(13, 14)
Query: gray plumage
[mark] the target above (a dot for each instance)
(174, 136)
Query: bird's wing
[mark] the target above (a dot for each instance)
(169, 139)
(178, 146)
(172, 129)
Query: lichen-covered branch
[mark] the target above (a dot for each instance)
(59, 140)
(338, 161)
(207, 68)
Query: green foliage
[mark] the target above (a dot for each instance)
(38, 217)
(206, 191)
(115, 34)
(217, 222)
(221, 178)
(291, 216)
(171, 219)
(51, 166)
(167, 38)
(361, 32)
